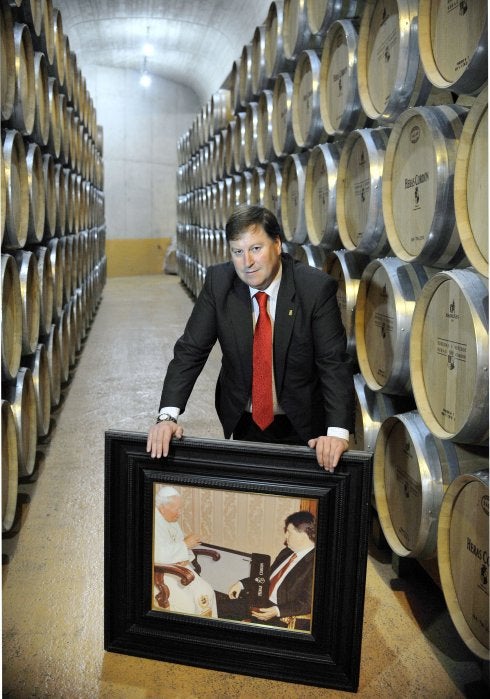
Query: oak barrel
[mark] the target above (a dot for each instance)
(49, 196)
(7, 61)
(386, 300)
(53, 353)
(471, 184)
(272, 188)
(258, 60)
(463, 558)
(251, 135)
(322, 14)
(418, 175)
(282, 115)
(10, 466)
(39, 367)
(22, 396)
(45, 276)
(24, 111)
(412, 470)
(275, 60)
(11, 318)
(340, 104)
(40, 131)
(372, 408)
(453, 44)
(320, 195)
(346, 267)
(390, 73)
(30, 299)
(307, 123)
(17, 190)
(292, 197)
(37, 195)
(359, 190)
(449, 355)
(265, 148)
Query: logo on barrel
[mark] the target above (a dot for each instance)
(484, 504)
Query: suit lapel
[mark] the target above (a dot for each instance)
(240, 316)
(284, 321)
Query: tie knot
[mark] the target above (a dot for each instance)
(261, 297)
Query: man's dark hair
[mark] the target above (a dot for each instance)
(245, 216)
(303, 521)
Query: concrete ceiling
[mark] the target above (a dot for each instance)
(195, 41)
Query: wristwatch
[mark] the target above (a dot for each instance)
(165, 417)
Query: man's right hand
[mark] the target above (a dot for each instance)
(235, 589)
(159, 437)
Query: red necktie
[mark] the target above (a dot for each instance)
(262, 410)
(279, 574)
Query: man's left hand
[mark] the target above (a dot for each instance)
(328, 451)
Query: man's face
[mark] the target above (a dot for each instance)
(171, 512)
(256, 257)
(295, 539)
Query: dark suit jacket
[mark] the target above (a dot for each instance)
(294, 595)
(312, 371)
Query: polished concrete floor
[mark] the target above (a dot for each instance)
(53, 594)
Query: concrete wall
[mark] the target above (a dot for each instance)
(141, 128)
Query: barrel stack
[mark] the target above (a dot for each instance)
(53, 231)
(369, 125)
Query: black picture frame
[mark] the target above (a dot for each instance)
(327, 657)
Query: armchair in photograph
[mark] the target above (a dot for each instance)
(185, 575)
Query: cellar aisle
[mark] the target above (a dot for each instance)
(53, 604)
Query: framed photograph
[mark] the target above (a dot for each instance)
(236, 556)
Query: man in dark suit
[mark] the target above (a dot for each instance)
(312, 385)
(290, 582)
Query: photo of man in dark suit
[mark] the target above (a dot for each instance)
(285, 374)
(290, 582)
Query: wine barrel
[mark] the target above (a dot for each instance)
(69, 181)
(24, 111)
(454, 45)
(11, 318)
(449, 356)
(265, 148)
(320, 195)
(59, 62)
(37, 195)
(40, 131)
(47, 31)
(63, 326)
(30, 299)
(17, 190)
(73, 331)
(272, 189)
(282, 116)
(10, 467)
(59, 188)
(307, 123)
(359, 211)
(230, 147)
(56, 260)
(45, 288)
(292, 197)
(251, 134)
(346, 267)
(245, 75)
(7, 62)
(49, 196)
(471, 184)
(386, 300)
(322, 14)
(220, 111)
(239, 142)
(22, 397)
(257, 186)
(412, 470)
(390, 73)
(54, 138)
(65, 129)
(463, 558)
(275, 60)
(3, 197)
(39, 367)
(258, 60)
(372, 408)
(418, 175)
(340, 104)
(296, 34)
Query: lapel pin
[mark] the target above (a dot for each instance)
(290, 312)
